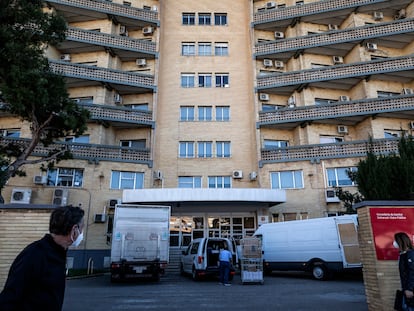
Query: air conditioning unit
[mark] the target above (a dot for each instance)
(411, 125)
(279, 64)
(157, 175)
(264, 96)
(344, 98)
(154, 8)
(113, 202)
(279, 35)
(401, 14)
(337, 60)
(371, 46)
(65, 57)
(123, 31)
(342, 129)
(333, 27)
(407, 91)
(148, 30)
(330, 196)
(21, 195)
(100, 218)
(141, 62)
(40, 180)
(267, 63)
(60, 197)
(237, 174)
(253, 176)
(118, 98)
(378, 16)
(270, 5)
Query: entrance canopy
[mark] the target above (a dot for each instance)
(184, 199)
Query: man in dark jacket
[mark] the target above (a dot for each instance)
(37, 277)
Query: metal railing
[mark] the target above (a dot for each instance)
(337, 72)
(110, 8)
(87, 151)
(329, 151)
(337, 36)
(337, 110)
(102, 74)
(119, 42)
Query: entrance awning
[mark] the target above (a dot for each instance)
(226, 200)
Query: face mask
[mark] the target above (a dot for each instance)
(395, 244)
(78, 239)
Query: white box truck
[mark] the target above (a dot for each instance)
(140, 241)
(320, 245)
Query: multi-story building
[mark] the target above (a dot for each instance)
(234, 113)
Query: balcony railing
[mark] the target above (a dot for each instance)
(329, 151)
(362, 69)
(339, 36)
(85, 72)
(310, 9)
(112, 41)
(337, 110)
(112, 9)
(118, 114)
(92, 152)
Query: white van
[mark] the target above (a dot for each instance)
(201, 257)
(320, 245)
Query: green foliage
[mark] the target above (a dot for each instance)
(28, 86)
(348, 198)
(388, 177)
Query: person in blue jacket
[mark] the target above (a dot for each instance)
(225, 258)
(36, 279)
(406, 268)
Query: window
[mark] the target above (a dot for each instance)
(205, 113)
(220, 19)
(382, 94)
(270, 143)
(314, 66)
(323, 101)
(187, 113)
(65, 177)
(330, 139)
(186, 149)
(189, 182)
(187, 80)
(80, 139)
(222, 80)
(204, 80)
(143, 107)
(287, 180)
(338, 176)
(14, 133)
(223, 149)
(393, 133)
(188, 49)
(204, 18)
(222, 113)
(205, 149)
(221, 49)
(219, 182)
(83, 100)
(188, 18)
(270, 107)
(204, 48)
(136, 144)
(127, 180)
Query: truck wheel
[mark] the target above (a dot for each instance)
(320, 272)
(194, 275)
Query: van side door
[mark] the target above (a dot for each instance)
(348, 239)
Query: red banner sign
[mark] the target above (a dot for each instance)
(385, 223)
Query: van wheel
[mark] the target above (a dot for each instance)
(194, 275)
(320, 272)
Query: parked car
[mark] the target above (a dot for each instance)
(201, 258)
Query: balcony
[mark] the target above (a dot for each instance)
(78, 75)
(346, 113)
(323, 12)
(119, 116)
(87, 10)
(396, 34)
(328, 151)
(90, 152)
(125, 48)
(341, 77)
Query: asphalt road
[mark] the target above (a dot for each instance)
(282, 291)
